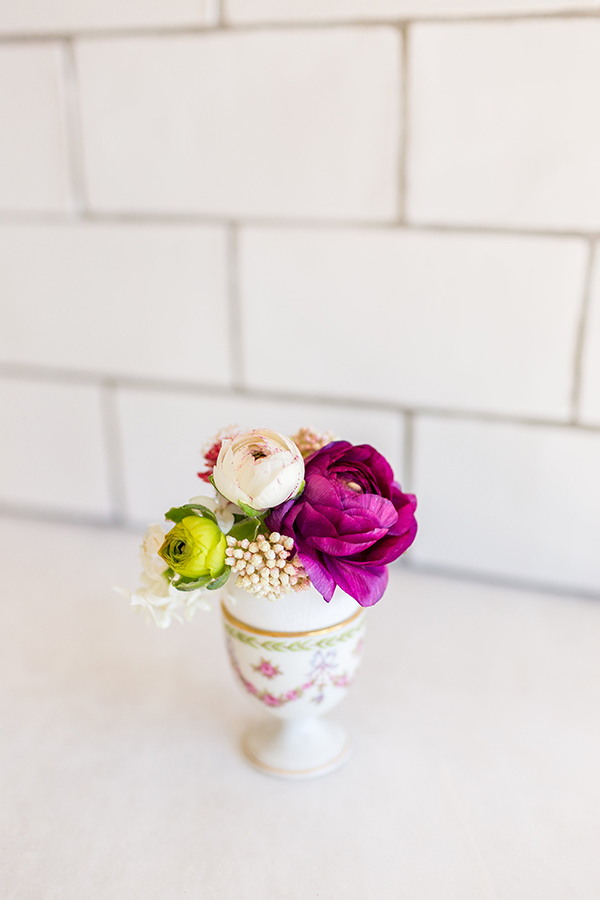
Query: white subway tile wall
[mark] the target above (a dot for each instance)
(33, 162)
(510, 104)
(485, 322)
(38, 17)
(499, 498)
(268, 123)
(338, 213)
(53, 452)
(118, 299)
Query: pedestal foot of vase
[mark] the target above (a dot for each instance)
(296, 748)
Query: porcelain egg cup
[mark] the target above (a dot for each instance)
(294, 658)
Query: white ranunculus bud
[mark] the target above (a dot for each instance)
(152, 564)
(259, 469)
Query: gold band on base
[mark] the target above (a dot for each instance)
(288, 634)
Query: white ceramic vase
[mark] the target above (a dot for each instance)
(294, 659)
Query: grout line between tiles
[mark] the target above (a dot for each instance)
(584, 12)
(73, 130)
(214, 13)
(220, 23)
(55, 516)
(581, 335)
(404, 112)
(67, 376)
(408, 452)
(18, 218)
(514, 583)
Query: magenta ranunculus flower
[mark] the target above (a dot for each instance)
(351, 521)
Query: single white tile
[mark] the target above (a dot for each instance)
(163, 433)
(514, 501)
(52, 452)
(590, 384)
(364, 10)
(418, 318)
(117, 299)
(33, 174)
(300, 123)
(38, 17)
(502, 129)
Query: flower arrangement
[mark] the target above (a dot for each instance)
(288, 513)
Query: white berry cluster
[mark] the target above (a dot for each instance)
(264, 567)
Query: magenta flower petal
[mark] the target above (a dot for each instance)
(351, 520)
(365, 585)
(318, 574)
(338, 533)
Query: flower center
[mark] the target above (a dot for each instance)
(257, 453)
(352, 478)
(353, 486)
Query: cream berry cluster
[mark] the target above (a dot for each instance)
(264, 567)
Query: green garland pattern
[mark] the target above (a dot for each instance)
(294, 646)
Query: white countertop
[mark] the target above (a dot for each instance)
(475, 772)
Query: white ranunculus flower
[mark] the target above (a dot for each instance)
(153, 565)
(156, 596)
(260, 469)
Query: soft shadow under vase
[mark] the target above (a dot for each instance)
(295, 659)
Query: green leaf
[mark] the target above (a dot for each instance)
(177, 513)
(253, 513)
(246, 528)
(220, 581)
(203, 510)
(187, 585)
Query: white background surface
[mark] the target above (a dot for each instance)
(474, 773)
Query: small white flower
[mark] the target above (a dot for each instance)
(193, 601)
(158, 606)
(221, 507)
(259, 469)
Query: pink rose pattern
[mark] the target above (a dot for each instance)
(266, 668)
(359, 648)
(321, 675)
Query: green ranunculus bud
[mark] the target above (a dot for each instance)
(195, 548)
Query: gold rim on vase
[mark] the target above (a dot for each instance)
(288, 634)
